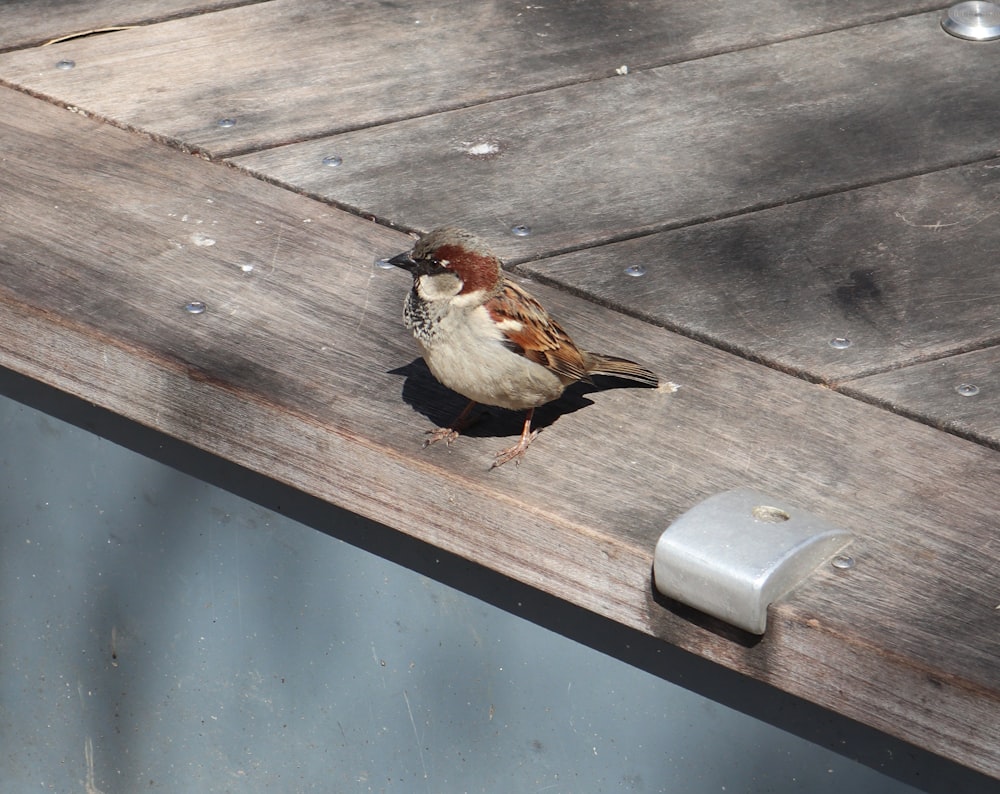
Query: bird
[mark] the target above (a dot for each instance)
(485, 337)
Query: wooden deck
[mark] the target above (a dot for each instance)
(784, 178)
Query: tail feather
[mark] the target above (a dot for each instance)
(598, 364)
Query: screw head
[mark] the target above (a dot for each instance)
(226, 123)
(65, 63)
(967, 389)
(843, 562)
(635, 270)
(974, 20)
(333, 160)
(840, 343)
(520, 230)
(195, 307)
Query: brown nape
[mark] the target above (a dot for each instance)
(478, 270)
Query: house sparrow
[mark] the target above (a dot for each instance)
(486, 338)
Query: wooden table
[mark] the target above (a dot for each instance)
(810, 194)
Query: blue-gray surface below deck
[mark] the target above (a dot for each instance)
(160, 634)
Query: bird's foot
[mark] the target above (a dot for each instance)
(516, 452)
(445, 434)
(450, 433)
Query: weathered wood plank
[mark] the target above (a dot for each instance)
(300, 369)
(905, 271)
(295, 69)
(960, 394)
(27, 23)
(672, 146)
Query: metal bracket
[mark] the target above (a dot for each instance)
(736, 552)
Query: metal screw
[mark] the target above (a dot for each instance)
(520, 230)
(195, 307)
(967, 389)
(975, 21)
(65, 63)
(844, 562)
(333, 160)
(840, 342)
(635, 270)
(226, 123)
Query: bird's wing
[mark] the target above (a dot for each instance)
(529, 330)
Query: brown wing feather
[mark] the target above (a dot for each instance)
(537, 336)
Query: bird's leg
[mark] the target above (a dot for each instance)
(517, 451)
(450, 433)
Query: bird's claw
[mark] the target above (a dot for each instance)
(516, 452)
(446, 434)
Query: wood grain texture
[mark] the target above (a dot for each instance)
(937, 393)
(672, 146)
(904, 270)
(294, 69)
(300, 369)
(27, 23)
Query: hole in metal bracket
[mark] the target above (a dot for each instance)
(769, 515)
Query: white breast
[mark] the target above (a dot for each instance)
(465, 351)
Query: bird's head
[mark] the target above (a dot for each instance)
(452, 264)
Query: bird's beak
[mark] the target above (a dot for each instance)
(403, 260)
